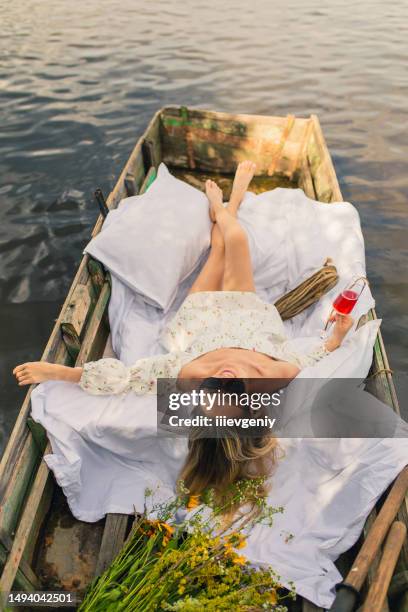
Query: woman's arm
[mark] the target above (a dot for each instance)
(41, 371)
(106, 376)
(343, 324)
(103, 377)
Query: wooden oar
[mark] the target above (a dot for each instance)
(349, 589)
(103, 207)
(378, 591)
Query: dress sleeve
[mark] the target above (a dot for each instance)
(111, 376)
(288, 351)
(315, 355)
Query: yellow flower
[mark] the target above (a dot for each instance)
(167, 528)
(238, 540)
(239, 560)
(181, 590)
(273, 597)
(193, 502)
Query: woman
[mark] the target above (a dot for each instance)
(223, 330)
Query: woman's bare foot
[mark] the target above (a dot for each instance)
(40, 371)
(243, 176)
(214, 195)
(34, 372)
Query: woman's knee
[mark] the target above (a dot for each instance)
(237, 234)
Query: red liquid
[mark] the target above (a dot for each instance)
(345, 301)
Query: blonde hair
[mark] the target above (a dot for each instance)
(220, 463)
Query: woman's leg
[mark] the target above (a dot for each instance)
(243, 176)
(238, 274)
(211, 277)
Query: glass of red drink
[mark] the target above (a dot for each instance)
(347, 299)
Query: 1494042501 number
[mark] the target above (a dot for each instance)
(40, 598)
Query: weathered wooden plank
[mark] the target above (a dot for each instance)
(43, 508)
(305, 180)
(217, 152)
(14, 491)
(25, 579)
(279, 149)
(130, 185)
(112, 541)
(24, 528)
(149, 155)
(188, 137)
(88, 349)
(219, 141)
(229, 123)
(74, 319)
(153, 140)
(376, 561)
(324, 176)
(377, 594)
(137, 170)
(38, 433)
(383, 382)
(301, 156)
(97, 274)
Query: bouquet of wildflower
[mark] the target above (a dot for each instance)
(191, 565)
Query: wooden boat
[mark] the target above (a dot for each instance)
(41, 545)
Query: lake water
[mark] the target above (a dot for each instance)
(80, 80)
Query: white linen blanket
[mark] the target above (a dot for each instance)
(105, 451)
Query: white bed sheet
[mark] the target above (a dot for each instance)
(105, 451)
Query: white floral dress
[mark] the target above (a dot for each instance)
(206, 321)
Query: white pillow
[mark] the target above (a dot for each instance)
(153, 241)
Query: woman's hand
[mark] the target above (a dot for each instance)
(343, 323)
(40, 371)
